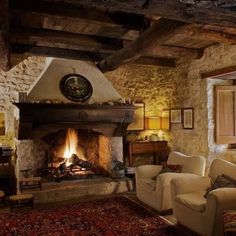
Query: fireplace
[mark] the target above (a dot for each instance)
(76, 154)
(63, 142)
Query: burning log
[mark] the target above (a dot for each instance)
(77, 161)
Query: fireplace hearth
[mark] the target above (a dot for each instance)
(42, 143)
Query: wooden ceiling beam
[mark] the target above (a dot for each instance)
(68, 24)
(30, 50)
(171, 9)
(22, 51)
(155, 61)
(206, 34)
(30, 35)
(158, 33)
(92, 43)
(131, 21)
(174, 52)
(4, 36)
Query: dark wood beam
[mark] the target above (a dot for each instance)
(206, 34)
(132, 21)
(172, 9)
(158, 33)
(29, 35)
(21, 51)
(155, 61)
(222, 73)
(4, 36)
(92, 43)
(174, 52)
(29, 50)
(68, 24)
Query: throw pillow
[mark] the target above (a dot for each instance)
(222, 181)
(171, 168)
(168, 168)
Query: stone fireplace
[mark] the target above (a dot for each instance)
(48, 122)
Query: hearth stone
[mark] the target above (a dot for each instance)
(69, 190)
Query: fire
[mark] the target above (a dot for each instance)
(70, 145)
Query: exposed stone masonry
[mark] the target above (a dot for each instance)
(159, 88)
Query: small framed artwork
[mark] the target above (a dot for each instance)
(175, 116)
(2, 123)
(165, 119)
(188, 118)
(139, 117)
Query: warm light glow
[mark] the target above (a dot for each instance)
(165, 120)
(154, 123)
(70, 145)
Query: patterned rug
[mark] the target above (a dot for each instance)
(117, 216)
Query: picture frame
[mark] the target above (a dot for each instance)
(188, 118)
(175, 116)
(165, 119)
(139, 117)
(2, 123)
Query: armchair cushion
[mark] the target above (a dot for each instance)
(222, 181)
(169, 168)
(194, 200)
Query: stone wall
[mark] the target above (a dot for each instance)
(158, 87)
(198, 93)
(162, 88)
(18, 79)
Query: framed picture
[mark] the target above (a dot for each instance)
(175, 116)
(2, 123)
(188, 119)
(165, 119)
(139, 116)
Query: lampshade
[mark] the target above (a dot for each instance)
(154, 123)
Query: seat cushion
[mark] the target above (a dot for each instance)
(194, 201)
(148, 184)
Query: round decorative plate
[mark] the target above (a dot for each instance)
(76, 88)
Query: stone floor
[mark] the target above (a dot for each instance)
(68, 190)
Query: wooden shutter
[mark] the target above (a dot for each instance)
(225, 114)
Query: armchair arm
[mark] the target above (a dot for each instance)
(223, 197)
(147, 171)
(218, 201)
(188, 184)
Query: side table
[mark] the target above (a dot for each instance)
(159, 150)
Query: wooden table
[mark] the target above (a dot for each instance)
(158, 149)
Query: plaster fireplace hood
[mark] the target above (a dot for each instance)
(41, 118)
(45, 108)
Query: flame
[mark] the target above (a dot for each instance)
(70, 145)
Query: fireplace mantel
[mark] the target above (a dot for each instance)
(110, 119)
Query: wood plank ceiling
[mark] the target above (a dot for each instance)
(112, 33)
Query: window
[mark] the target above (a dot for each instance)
(225, 116)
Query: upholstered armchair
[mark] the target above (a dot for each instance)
(199, 209)
(153, 188)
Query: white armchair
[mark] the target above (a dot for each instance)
(155, 192)
(203, 215)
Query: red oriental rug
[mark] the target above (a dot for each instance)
(117, 216)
